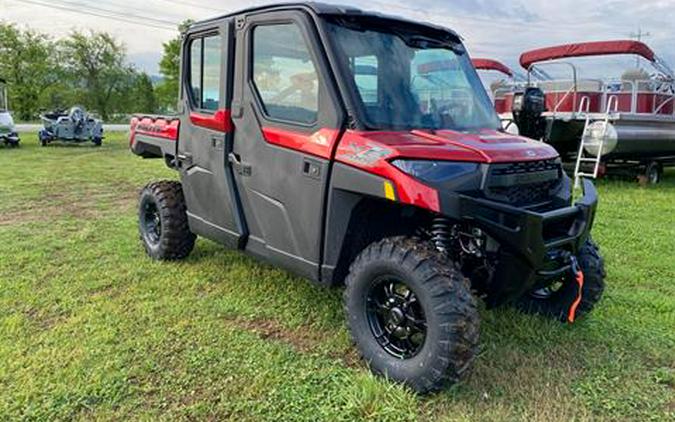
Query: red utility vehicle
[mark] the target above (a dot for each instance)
(317, 138)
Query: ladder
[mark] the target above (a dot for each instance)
(582, 157)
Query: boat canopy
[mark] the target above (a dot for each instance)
(597, 48)
(490, 64)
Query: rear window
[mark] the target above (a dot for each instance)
(205, 72)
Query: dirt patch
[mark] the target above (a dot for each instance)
(303, 339)
(88, 203)
(44, 321)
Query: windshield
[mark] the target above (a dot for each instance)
(410, 81)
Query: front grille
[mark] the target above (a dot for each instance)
(524, 183)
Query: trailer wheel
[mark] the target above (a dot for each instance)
(653, 173)
(557, 303)
(411, 314)
(162, 221)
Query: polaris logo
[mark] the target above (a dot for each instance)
(531, 153)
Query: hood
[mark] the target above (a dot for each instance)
(487, 146)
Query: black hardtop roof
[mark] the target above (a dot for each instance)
(324, 9)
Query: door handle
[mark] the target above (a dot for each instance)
(242, 169)
(185, 159)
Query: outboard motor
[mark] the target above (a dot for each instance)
(527, 109)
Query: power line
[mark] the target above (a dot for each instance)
(115, 12)
(133, 19)
(459, 18)
(190, 4)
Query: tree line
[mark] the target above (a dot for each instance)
(84, 68)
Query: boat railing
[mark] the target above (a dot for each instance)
(571, 90)
(642, 86)
(584, 105)
(503, 91)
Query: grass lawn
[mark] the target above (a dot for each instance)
(90, 328)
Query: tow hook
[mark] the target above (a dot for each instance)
(579, 278)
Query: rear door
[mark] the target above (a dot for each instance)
(288, 117)
(206, 135)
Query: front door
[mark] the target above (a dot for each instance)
(287, 117)
(206, 137)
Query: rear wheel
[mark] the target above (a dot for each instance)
(162, 221)
(97, 142)
(653, 173)
(411, 313)
(556, 302)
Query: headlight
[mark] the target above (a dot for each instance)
(435, 171)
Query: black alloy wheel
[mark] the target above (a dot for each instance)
(396, 317)
(150, 222)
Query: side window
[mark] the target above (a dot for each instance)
(284, 73)
(364, 69)
(204, 75)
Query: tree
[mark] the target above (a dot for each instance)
(96, 65)
(144, 98)
(169, 68)
(28, 60)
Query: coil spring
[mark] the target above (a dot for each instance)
(440, 234)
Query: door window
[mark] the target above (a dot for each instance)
(204, 73)
(284, 74)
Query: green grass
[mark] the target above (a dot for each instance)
(90, 328)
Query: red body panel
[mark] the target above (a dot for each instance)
(220, 120)
(321, 143)
(373, 151)
(488, 146)
(156, 126)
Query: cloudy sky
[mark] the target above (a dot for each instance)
(499, 29)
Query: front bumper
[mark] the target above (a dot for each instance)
(530, 242)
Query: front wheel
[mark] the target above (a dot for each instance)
(162, 221)
(558, 302)
(411, 313)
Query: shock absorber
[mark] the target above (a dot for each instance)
(440, 234)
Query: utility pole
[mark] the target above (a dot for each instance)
(638, 36)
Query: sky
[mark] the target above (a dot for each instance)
(500, 29)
